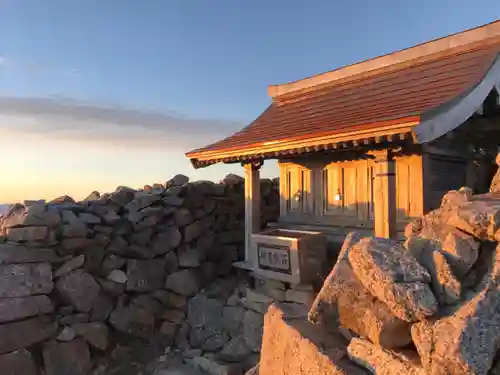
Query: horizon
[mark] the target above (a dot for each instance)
(96, 95)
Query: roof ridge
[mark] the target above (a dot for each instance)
(466, 39)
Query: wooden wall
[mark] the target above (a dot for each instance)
(337, 197)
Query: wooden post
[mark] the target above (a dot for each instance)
(252, 208)
(384, 191)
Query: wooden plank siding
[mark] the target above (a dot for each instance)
(319, 183)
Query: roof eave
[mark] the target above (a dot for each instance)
(271, 150)
(449, 116)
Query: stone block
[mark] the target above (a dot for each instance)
(80, 289)
(23, 307)
(26, 234)
(19, 280)
(23, 334)
(134, 321)
(185, 282)
(14, 254)
(19, 362)
(67, 358)
(145, 275)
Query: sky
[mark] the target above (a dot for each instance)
(96, 94)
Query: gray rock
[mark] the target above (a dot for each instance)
(190, 257)
(80, 289)
(174, 316)
(149, 303)
(74, 229)
(203, 311)
(118, 246)
(134, 321)
(19, 280)
(67, 358)
(173, 200)
(166, 240)
(232, 320)
(236, 350)
(145, 275)
(25, 333)
(142, 200)
(111, 288)
(170, 300)
(96, 334)
(18, 308)
(171, 262)
(34, 215)
(89, 218)
(118, 276)
(253, 324)
(177, 180)
(343, 301)
(185, 282)
(205, 320)
(480, 218)
(214, 367)
(122, 197)
(75, 318)
(445, 285)
(25, 234)
(74, 245)
(103, 305)
(12, 254)
(142, 237)
(192, 231)
(168, 330)
(112, 262)
(395, 277)
(67, 334)
(19, 362)
(182, 217)
(465, 342)
(70, 265)
(380, 361)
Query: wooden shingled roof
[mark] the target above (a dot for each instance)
(390, 96)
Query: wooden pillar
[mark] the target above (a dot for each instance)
(384, 191)
(252, 207)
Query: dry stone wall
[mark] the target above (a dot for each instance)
(104, 285)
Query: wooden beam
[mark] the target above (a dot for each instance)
(252, 207)
(384, 194)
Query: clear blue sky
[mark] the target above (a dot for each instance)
(203, 66)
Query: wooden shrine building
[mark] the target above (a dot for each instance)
(369, 146)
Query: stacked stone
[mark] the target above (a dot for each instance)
(437, 293)
(109, 281)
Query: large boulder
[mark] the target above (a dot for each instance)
(465, 342)
(294, 346)
(395, 277)
(445, 285)
(344, 301)
(383, 362)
